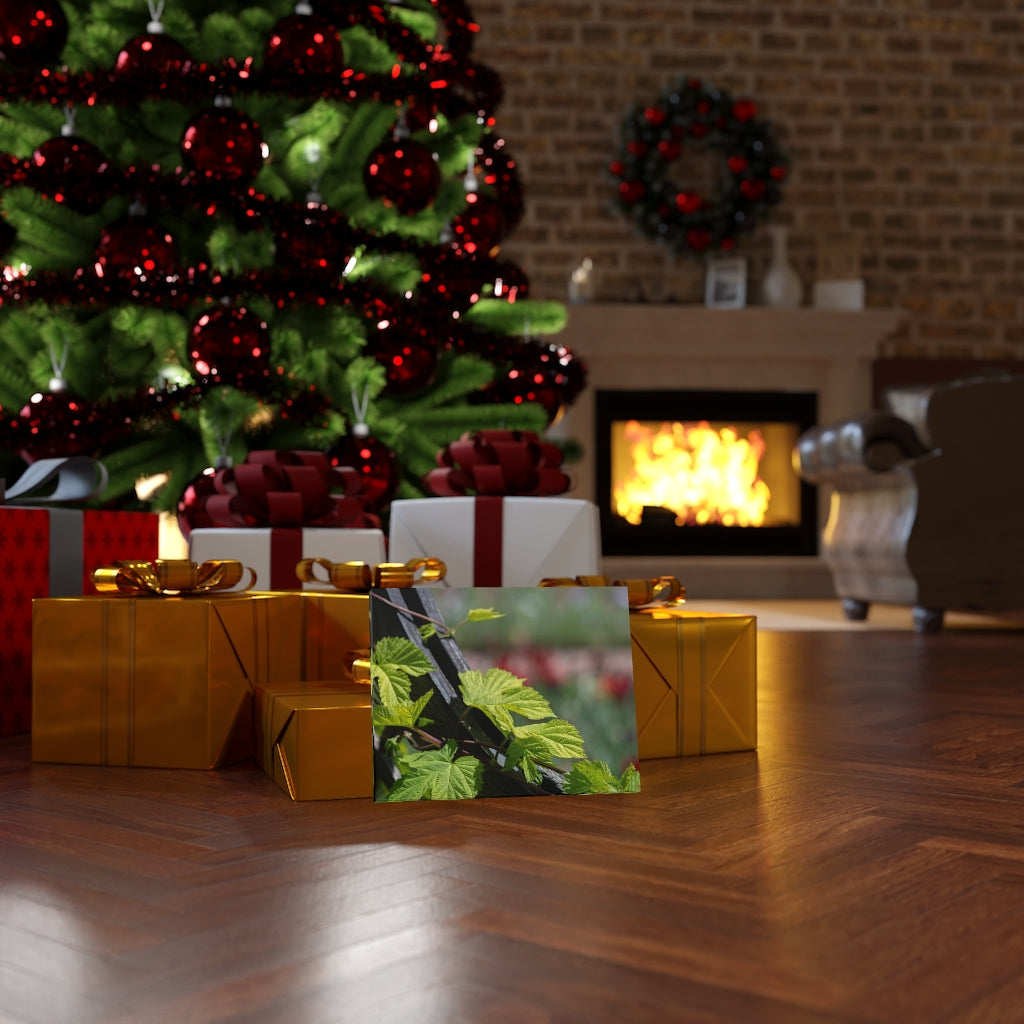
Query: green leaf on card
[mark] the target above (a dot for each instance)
(596, 777)
(500, 694)
(483, 614)
(438, 775)
(393, 661)
(403, 714)
(543, 741)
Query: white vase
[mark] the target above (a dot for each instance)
(781, 287)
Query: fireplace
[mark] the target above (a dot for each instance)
(705, 472)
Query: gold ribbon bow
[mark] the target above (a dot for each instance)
(663, 591)
(170, 576)
(362, 576)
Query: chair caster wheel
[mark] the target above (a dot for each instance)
(928, 620)
(854, 610)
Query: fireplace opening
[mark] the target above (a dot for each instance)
(703, 473)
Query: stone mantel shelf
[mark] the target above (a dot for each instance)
(636, 329)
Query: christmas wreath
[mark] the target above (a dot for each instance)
(689, 116)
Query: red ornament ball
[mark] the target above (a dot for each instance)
(303, 44)
(66, 170)
(420, 115)
(373, 461)
(137, 246)
(32, 33)
(480, 228)
(148, 59)
(309, 244)
(191, 507)
(230, 343)
(404, 174)
(408, 355)
(223, 144)
(55, 423)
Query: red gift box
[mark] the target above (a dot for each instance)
(50, 552)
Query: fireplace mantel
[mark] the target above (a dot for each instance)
(661, 347)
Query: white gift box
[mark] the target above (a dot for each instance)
(273, 553)
(539, 537)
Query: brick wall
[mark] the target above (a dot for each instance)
(903, 121)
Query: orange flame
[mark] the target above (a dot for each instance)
(705, 476)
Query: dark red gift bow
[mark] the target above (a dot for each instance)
(495, 464)
(286, 489)
(500, 462)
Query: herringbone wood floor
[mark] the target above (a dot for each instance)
(866, 865)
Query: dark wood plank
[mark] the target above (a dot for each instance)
(864, 866)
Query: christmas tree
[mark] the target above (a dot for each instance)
(229, 227)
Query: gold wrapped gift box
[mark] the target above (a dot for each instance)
(156, 682)
(694, 681)
(336, 628)
(315, 741)
(140, 676)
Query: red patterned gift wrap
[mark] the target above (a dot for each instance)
(50, 553)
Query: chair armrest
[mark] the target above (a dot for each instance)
(874, 443)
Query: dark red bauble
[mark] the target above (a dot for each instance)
(404, 174)
(303, 44)
(419, 115)
(309, 244)
(409, 357)
(149, 58)
(223, 144)
(32, 32)
(454, 280)
(138, 246)
(500, 173)
(510, 282)
(55, 423)
(230, 343)
(191, 504)
(522, 385)
(374, 462)
(485, 85)
(69, 170)
(480, 228)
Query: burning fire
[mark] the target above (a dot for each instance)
(705, 476)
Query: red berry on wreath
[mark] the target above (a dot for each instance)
(223, 143)
(744, 110)
(698, 239)
(33, 33)
(631, 191)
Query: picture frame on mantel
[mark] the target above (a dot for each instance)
(725, 284)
